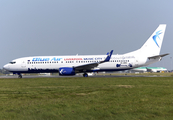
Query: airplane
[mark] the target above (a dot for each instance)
(149, 69)
(72, 65)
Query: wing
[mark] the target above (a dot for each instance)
(90, 66)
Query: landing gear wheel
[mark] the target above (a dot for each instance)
(85, 75)
(20, 76)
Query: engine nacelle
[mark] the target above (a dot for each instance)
(65, 71)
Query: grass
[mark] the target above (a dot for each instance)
(121, 98)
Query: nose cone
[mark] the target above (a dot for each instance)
(6, 67)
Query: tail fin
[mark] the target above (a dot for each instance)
(153, 45)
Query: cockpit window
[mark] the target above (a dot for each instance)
(12, 62)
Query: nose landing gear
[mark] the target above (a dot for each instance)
(19, 75)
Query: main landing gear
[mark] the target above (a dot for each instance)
(85, 75)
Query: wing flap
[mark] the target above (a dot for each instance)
(86, 67)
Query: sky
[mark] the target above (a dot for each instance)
(84, 27)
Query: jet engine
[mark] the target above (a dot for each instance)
(66, 71)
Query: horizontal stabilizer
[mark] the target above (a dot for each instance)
(153, 57)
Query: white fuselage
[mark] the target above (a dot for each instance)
(39, 64)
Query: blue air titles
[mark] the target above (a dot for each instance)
(56, 59)
(46, 59)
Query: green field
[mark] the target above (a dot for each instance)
(121, 98)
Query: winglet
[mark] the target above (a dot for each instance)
(108, 56)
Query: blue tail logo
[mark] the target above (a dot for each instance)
(157, 36)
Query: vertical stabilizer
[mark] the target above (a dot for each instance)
(153, 45)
